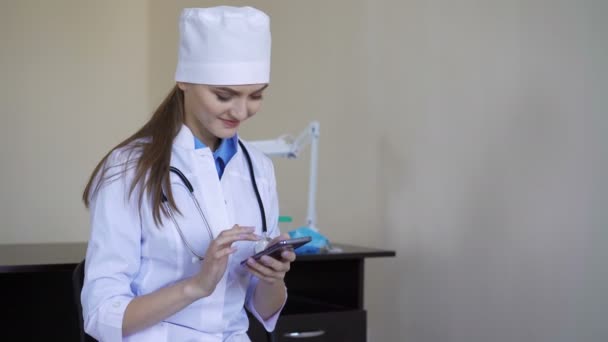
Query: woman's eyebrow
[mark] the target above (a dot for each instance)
(238, 93)
(262, 88)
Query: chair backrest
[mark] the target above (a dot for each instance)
(77, 281)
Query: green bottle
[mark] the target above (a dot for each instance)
(285, 223)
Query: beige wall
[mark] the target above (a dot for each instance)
(493, 159)
(73, 83)
(467, 135)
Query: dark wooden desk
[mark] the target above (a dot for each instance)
(36, 291)
(325, 294)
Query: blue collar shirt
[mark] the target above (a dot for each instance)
(222, 154)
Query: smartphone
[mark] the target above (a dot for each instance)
(278, 247)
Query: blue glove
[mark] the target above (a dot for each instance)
(318, 244)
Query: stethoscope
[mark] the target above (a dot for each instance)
(188, 185)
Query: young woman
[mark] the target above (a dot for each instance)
(177, 206)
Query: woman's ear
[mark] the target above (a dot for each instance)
(182, 86)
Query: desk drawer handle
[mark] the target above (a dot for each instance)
(305, 334)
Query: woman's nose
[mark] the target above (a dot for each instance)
(239, 110)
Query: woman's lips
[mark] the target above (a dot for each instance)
(230, 123)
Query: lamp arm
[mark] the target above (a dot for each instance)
(282, 147)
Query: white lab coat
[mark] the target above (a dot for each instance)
(128, 255)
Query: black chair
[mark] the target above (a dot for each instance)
(77, 281)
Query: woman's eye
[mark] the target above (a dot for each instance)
(222, 97)
(257, 97)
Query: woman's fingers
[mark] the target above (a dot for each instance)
(260, 269)
(263, 272)
(236, 233)
(223, 241)
(236, 229)
(270, 269)
(288, 255)
(274, 264)
(262, 276)
(268, 266)
(222, 245)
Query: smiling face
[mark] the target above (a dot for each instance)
(215, 112)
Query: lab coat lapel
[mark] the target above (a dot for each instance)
(228, 182)
(210, 190)
(207, 186)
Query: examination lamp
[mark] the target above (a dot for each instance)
(287, 147)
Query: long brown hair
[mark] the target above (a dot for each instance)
(152, 143)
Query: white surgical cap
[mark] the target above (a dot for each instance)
(224, 45)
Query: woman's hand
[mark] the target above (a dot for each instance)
(215, 261)
(269, 269)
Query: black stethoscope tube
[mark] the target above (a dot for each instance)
(190, 188)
